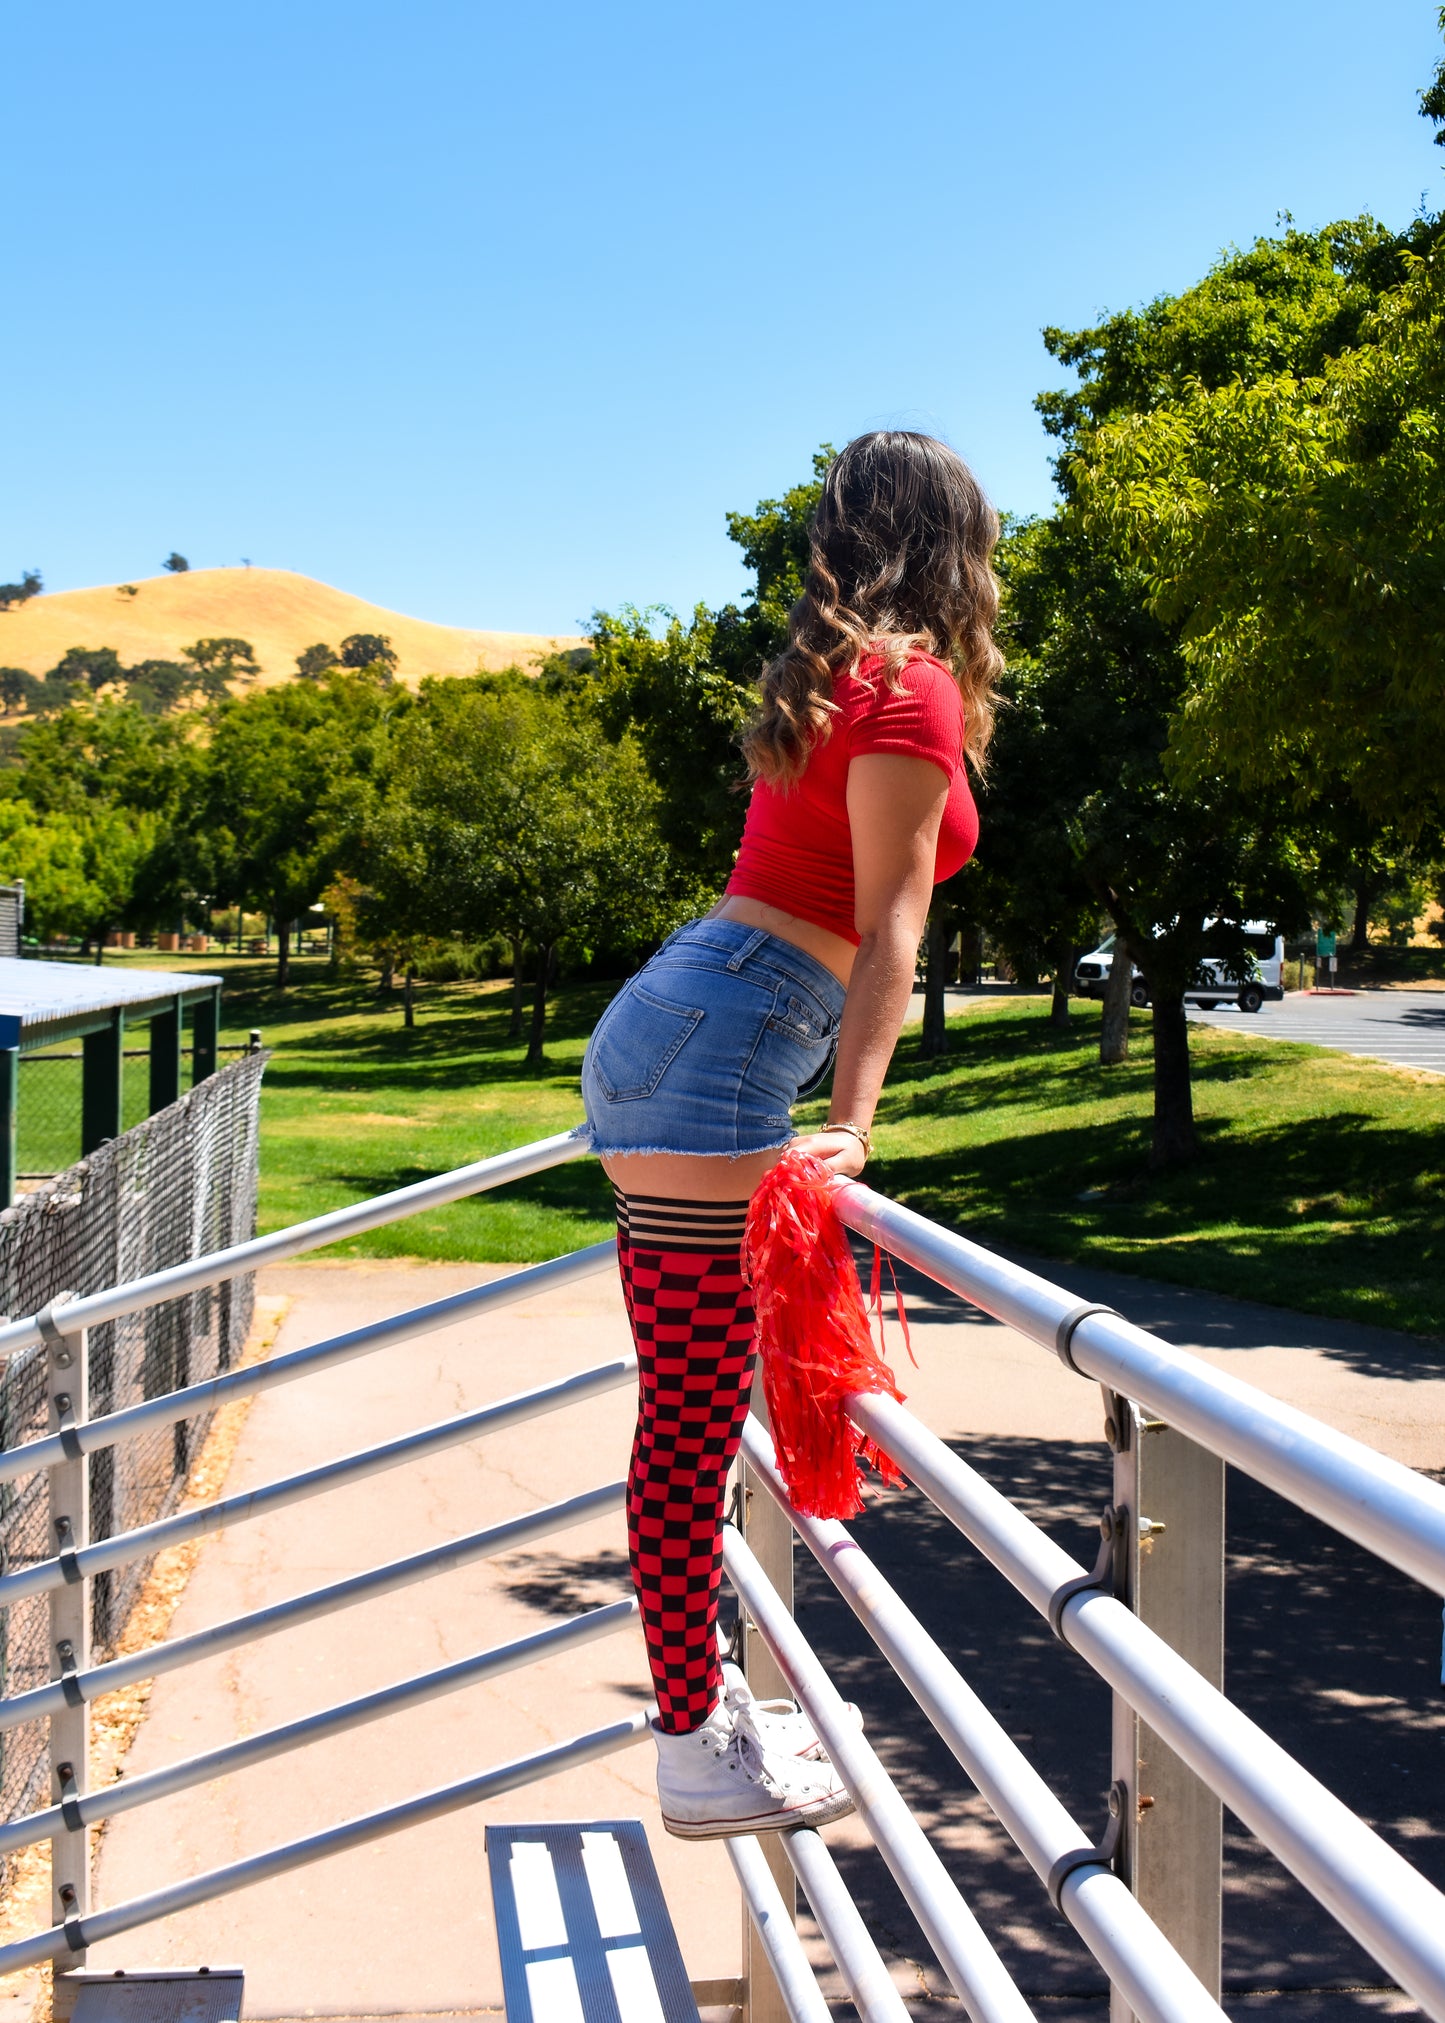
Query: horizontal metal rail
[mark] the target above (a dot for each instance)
(1159, 1985)
(773, 1923)
(978, 1975)
(258, 1868)
(130, 1792)
(353, 1220)
(1379, 1503)
(144, 1417)
(1397, 1916)
(306, 1608)
(840, 1921)
(90, 1560)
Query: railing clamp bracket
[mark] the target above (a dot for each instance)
(1105, 1855)
(1111, 1528)
(69, 1564)
(70, 1445)
(1064, 1332)
(50, 1332)
(74, 1931)
(69, 1798)
(69, 1674)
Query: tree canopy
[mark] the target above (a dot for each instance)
(508, 811)
(29, 586)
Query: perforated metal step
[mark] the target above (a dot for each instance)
(203, 1995)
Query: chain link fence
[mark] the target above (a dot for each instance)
(178, 1184)
(48, 1107)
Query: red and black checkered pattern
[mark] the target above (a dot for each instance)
(692, 1320)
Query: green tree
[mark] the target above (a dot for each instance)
(1102, 657)
(510, 812)
(177, 564)
(97, 666)
(159, 686)
(18, 689)
(1293, 529)
(219, 662)
(314, 661)
(29, 586)
(281, 773)
(1079, 764)
(82, 869)
(369, 649)
(99, 760)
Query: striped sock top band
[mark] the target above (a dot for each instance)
(654, 1222)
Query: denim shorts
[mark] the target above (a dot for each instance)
(707, 1049)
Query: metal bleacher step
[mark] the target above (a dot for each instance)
(583, 1929)
(187, 1995)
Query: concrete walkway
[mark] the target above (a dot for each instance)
(403, 1928)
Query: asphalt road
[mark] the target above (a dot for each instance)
(1406, 1027)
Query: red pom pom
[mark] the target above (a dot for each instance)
(814, 1338)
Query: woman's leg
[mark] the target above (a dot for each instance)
(692, 1320)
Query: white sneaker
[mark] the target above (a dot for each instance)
(720, 1780)
(779, 1725)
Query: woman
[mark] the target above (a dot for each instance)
(860, 804)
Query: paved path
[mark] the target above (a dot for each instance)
(1406, 1027)
(1336, 1659)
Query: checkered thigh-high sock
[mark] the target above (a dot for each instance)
(692, 1320)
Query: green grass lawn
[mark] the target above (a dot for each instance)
(353, 1104)
(1320, 1188)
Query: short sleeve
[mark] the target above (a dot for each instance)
(922, 718)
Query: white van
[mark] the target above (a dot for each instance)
(1266, 950)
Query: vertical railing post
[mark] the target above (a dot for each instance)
(1169, 1569)
(770, 1536)
(67, 1382)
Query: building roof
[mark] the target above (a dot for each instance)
(43, 1001)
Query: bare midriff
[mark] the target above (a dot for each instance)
(830, 949)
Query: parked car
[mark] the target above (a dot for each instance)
(1266, 949)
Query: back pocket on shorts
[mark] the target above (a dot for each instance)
(635, 1046)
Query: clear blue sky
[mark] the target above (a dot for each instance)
(489, 312)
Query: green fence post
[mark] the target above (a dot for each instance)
(9, 1092)
(103, 1059)
(165, 1057)
(205, 1036)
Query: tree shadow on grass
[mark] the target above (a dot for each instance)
(462, 1049)
(1327, 1211)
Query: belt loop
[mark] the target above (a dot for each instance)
(754, 941)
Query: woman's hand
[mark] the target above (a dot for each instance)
(839, 1151)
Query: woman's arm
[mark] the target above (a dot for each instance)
(895, 807)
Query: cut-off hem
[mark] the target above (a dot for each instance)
(677, 1151)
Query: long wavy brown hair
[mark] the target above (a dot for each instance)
(899, 565)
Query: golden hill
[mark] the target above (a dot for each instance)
(278, 611)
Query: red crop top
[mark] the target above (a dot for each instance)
(797, 847)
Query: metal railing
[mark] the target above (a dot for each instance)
(1145, 1903)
